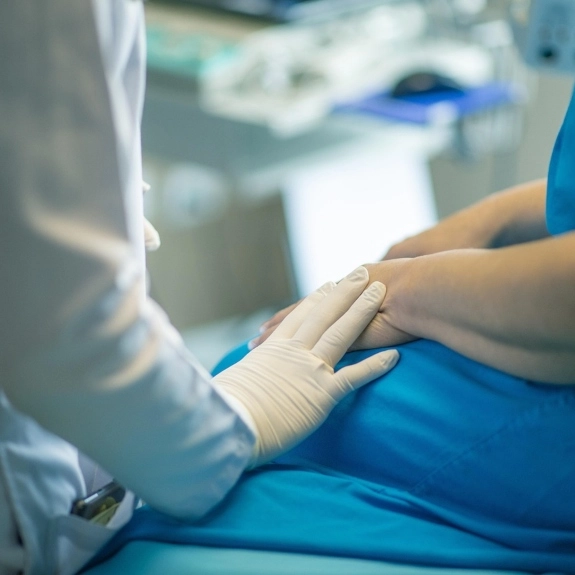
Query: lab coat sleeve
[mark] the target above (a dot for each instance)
(82, 349)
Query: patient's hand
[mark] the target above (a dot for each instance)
(268, 327)
(380, 332)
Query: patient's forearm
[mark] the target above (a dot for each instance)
(513, 216)
(518, 214)
(512, 308)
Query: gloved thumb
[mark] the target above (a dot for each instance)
(353, 377)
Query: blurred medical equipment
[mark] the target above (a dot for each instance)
(291, 77)
(286, 10)
(544, 32)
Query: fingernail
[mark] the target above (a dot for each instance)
(377, 287)
(253, 343)
(264, 327)
(358, 274)
(390, 358)
(327, 287)
(382, 294)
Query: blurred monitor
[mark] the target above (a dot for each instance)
(284, 10)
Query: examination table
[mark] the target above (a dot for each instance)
(151, 558)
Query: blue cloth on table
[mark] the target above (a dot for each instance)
(442, 462)
(153, 558)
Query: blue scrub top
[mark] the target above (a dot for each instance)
(561, 178)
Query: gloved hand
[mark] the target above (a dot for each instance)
(151, 235)
(288, 385)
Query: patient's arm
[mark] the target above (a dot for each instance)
(512, 216)
(511, 308)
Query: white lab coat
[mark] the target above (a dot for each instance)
(85, 356)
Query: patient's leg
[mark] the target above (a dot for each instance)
(459, 435)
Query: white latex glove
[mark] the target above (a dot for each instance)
(287, 385)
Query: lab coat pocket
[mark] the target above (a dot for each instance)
(73, 541)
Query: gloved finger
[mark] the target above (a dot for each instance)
(341, 335)
(352, 377)
(278, 317)
(151, 237)
(328, 311)
(290, 325)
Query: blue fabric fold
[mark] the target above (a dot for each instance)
(442, 462)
